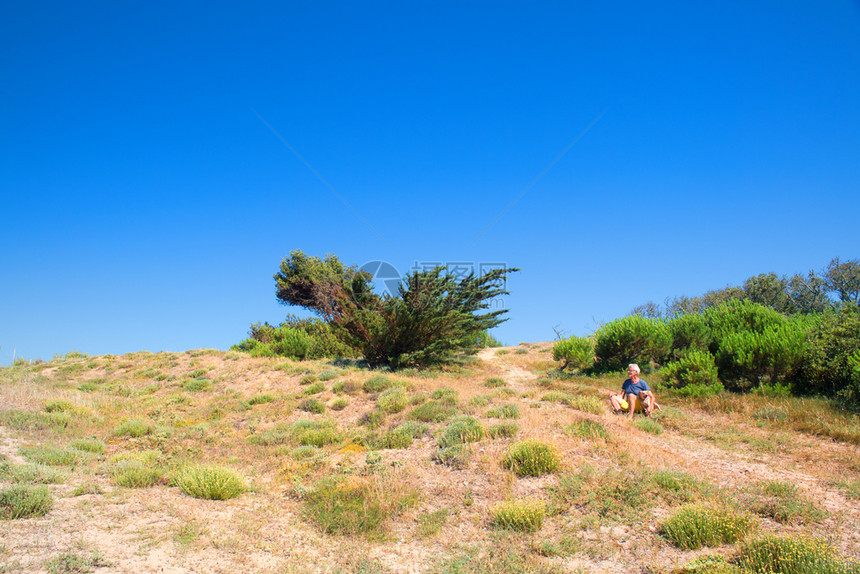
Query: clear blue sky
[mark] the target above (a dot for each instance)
(146, 205)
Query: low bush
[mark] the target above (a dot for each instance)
(531, 458)
(377, 384)
(339, 404)
(693, 375)
(134, 428)
(31, 474)
(372, 419)
(329, 375)
(460, 431)
(24, 501)
(433, 411)
(312, 405)
(346, 509)
(315, 433)
(71, 563)
(135, 473)
(698, 525)
(792, 555)
(648, 425)
(503, 430)
(261, 399)
(506, 411)
(494, 382)
(58, 406)
(392, 400)
(314, 389)
(53, 455)
(587, 429)
(92, 445)
(783, 502)
(395, 438)
(574, 352)
(457, 456)
(210, 482)
(631, 339)
(525, 515)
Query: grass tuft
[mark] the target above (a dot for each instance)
(210, 482)
(793, 555)
(700, 524)
(24, 501)
(460, 431)
(525, 515)
(531, 458)
(587, 429)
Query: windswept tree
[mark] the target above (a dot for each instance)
(433, 319)
(844, 279)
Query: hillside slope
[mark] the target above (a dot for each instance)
(421, 510)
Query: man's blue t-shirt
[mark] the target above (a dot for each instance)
(634, 389)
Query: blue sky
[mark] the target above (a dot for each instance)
(147, 203)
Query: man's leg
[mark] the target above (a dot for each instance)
(631, 400)
(615, 402)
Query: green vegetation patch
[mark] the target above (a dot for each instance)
(783, 502)
(392, 400)
(523, 515)
(793, 555)
(434, 411)
(505, 411)
(531, 458)
(135, 469)
(53, 455)
(134, 428)
(210, 482)
(702, 524)
(24, 501)
(505, 429)
(587, 429)
(460, 431)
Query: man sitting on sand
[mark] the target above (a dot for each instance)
(633, 388)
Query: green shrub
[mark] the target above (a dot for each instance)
(312, 405)
(92, 445)
(433, 412)
(586, 403)
(314, 389)
(430, 523)
(693, 375)
(392, 400)
(329, 375)
(71, 563)
(308, 379)
(457, 456)
(196, 385)
(372, 419)
(631, 339)
(697, 525)
(587, 429)
(783, 502)
(829, 365)
(690, 332)
(531, 458)
(346, 509)
(339, 404)
(575, 352)
(525, 515)
(416, 430)
(710, 564)
(31, 474)
(261, 399)
(494, 382)
(377, 384)
(315, 433)
(506, 411)
(445, 394)
(52, 455)
(23, 501)
(395, 438)
(436, 316)
(134, 428)
(461, 430)
(135, 473)
(59, 405)
(503, 430)
(649, 426)
(792, 555)
(210, 482)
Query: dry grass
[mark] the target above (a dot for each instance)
(615, 483)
